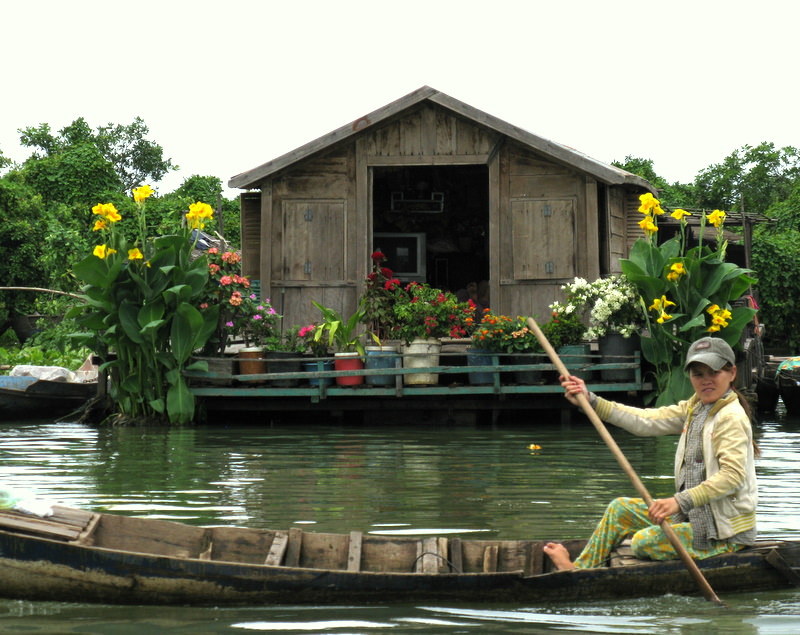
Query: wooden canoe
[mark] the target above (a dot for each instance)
(81, 556)
(29, 397)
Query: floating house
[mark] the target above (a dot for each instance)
(449, 193)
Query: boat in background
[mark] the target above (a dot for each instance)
(44, 391)
(75, 555)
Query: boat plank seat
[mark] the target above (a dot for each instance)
(456, 556)
(623, 556)
(278, 548)
(65, 523)
(294, 548)
(431, 555)
(354, 551)
(490, 554)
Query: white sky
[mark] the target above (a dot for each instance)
(227, 85)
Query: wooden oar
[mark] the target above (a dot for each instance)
(691, 565)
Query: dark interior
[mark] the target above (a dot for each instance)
(449, 205)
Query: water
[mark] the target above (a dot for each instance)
(469, 480)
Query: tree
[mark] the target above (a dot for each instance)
(135, 159)
(750, 179)
(671, 195)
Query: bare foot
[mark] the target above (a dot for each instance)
(559, 555)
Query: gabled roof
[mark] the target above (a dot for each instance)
(560, 153)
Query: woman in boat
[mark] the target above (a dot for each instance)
(713, 509)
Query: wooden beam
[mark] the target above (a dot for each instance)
(277, 549)
(354, 551)
(295, 547)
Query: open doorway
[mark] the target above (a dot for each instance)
(433, 221)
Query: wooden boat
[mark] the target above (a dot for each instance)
(81, 556)
(29, 397)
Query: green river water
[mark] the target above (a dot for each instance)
(471, 480)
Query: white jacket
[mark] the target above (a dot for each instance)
(730, 486)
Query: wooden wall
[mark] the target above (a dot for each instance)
(309, 235)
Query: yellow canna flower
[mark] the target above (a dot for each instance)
(663, 317)
(713, 309)
(102, 252)
(98, 225)
(135, 254)
(676, 271)
(197, 212)
(678, 214)
(716, 218)
(107, 211)
(648, 226)
(660, 304)
(713, 328)
(142, 193)
(648, 203)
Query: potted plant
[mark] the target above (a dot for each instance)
(344, 337)
(283, 352)
(317, 349)
(615, 317)
(424, 315)
(255, 323)
(565, 331)
(381, 292)
(510, 336)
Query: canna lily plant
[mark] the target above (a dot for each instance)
(142, 314)
(687, 294)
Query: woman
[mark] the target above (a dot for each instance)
(713, 509)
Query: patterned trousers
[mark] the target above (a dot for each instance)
(628, 517)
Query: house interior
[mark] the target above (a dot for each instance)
(432, 222)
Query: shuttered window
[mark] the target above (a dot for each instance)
(543, 238)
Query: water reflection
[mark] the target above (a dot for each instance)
(415, 479)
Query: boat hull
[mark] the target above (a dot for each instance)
(27, 397)
(46, 568)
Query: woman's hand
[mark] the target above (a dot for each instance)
(661, 509)
(573, 386)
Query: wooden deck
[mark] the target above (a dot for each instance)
(451, 395)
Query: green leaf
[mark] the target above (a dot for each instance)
(128, 318)
(180, 403)
(186, 325)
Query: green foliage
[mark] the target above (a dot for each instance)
(342, 334)
(134, 159)
(142, 305)
(69, 358)
(750, 178)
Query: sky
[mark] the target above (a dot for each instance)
(225, 86)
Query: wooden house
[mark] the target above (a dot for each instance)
(451, 194)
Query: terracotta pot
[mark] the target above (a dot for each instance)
(252, 362)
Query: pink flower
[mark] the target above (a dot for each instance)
(213, 250)
(225, 280)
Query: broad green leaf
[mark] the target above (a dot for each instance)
(180, 403)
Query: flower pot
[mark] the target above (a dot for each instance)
(352, 362)
(380, 357)
(220, 371)
(576, 356)
(479, 357)
(617, 349)
(318, 365)
(421, 353)
(252, 362)
(283, 362)
(527, 377)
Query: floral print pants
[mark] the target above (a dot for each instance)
(628, 517)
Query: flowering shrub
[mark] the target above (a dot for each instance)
(317, 347)
(565, 327)
(610, 305)
(141, 304)
(240, 312)
(687, 292)
(502, 334)
(381, 291)
(426, 312)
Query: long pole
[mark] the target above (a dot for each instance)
(691, 565)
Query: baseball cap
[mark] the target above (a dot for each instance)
(711, 351)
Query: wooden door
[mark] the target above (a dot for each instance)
(543, 238)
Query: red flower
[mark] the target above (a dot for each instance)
(378, 256)
(387, 273)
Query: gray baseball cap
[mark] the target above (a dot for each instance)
(711, 351)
